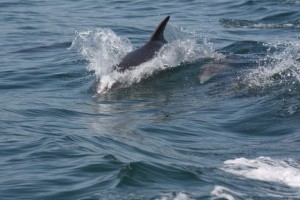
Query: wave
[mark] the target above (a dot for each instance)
(285, 171)
(236, 23)
(142, 173)
(104, 49)
(44, 48)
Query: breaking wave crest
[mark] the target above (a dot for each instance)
(104, 49)
(266, 169)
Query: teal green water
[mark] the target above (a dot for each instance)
(215, 115)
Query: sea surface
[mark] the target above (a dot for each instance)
(214, 115)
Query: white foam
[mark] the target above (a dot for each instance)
(104, 49)
(181, 196)
(172, 196)
(220, 192)
(266, 169)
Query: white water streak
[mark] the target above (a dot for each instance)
(266, 169)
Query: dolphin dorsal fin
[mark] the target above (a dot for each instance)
(159, 32)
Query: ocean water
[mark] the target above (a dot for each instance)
(215, 115)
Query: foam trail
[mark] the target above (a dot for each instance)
(266, 169)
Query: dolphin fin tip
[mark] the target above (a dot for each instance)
(159, 32)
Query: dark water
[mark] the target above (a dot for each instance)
(214, 116)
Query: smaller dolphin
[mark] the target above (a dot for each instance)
(146, 52)
(211, 69)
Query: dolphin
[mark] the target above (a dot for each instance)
(146, 52)
(211, 69)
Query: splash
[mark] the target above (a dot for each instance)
(280, 67)
(104, 49)
(266, 169)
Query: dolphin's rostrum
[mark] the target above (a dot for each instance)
(146, 52)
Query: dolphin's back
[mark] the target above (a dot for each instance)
(146, 52)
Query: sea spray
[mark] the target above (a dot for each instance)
(280, 67)
(102, 48)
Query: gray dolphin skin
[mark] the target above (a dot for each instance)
(146, 52)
